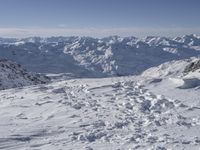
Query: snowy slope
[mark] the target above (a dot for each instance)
(112, 113)
(182, 71)
(177, 80)
(13, 75)
(168, 69)
(157, 110)
(93, 57)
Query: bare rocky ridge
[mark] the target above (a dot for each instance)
(193, 66)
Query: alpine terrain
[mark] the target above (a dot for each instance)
(112, 93)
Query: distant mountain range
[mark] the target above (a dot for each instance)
(97, 57)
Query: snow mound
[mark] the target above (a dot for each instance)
(179, 68)
(186, 83)
(12, 75)
(168, 69)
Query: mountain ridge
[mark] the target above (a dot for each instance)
(12, 75)
(97, 57)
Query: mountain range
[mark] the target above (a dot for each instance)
(148, 100)
(97, 57)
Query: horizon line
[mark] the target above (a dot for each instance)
(98, 32)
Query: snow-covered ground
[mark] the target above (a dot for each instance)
(107, 113)
(157, 110)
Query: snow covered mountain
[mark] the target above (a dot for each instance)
(156, 110)
(12, 75)
(92, 57)
(106, 113)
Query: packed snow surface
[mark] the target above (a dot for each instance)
(107, 113)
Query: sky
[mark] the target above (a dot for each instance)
(99, 18)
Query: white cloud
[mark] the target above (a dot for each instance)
(96, 32)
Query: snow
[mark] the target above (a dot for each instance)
(170, 50)
(107, 113)
(190, 83)
(19, 43)
(156, 110)
(97, 57)
(111, 113)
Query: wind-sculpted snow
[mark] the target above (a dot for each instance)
(184, 74)
(92, 57)
(112, 113)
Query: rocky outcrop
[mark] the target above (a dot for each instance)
(193, 66)
(12, 75)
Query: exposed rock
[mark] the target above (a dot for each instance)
(12, 75)
(192, 67)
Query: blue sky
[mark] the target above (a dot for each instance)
(99, 17)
